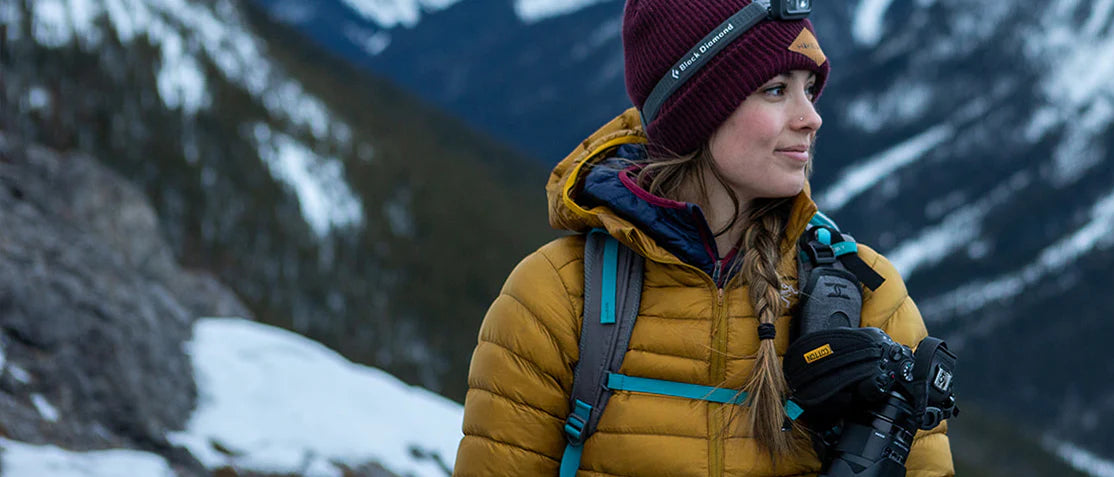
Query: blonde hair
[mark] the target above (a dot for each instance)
(760, 246)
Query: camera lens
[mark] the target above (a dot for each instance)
(804, 4)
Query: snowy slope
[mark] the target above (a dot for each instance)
(283, 404)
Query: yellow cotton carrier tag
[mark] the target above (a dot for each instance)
(806, 44)
(818, 354)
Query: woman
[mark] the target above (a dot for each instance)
(707, 182)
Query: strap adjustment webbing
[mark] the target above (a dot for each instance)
(619, 382)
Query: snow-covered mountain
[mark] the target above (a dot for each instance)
(325, 195)
(971, 144)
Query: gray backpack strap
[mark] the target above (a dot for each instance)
(612, 293)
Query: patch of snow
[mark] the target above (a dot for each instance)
(372, 42)
(1081, 148)
(46, 410)
(867, 27)
(979, 249)
(607, 32)
(187, 33)
(399, 217)
(392, 13)
(181, 82)
(127, 17)
(1080, 459)
(3, 358)
(11, 17)
(50, 24)
(904, 101)
(325, 198)
(27, 460)
(865, 175)
(56, 23)
(938, 207)
(963, 33)
(533, 11)
(1094, 235)
(38, 98)
(287, 98)
(1076, 56)
(241, 58)
(283, 402)
(294, 11)
(83, 16)
(19, 374)
(959, 229)
(1044, 119)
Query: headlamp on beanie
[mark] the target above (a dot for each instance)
(730, 30)
(790, 9)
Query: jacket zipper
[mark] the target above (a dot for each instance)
(718, 367)
(718, 370)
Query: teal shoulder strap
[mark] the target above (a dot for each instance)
(612, 293)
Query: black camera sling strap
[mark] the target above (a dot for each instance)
(613, 292)
(829, 272)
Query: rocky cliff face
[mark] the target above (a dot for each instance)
(95, 313)
(93, 309)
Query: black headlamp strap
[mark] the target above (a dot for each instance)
(723, 35)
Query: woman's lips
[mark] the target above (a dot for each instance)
(799, 154)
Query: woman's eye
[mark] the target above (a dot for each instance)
(810, 90)
(777, 90)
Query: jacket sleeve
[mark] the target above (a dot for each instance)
(891, 309)
(521, 374)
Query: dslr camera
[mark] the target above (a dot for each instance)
(865, 395)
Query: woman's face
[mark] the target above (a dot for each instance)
(764, 147)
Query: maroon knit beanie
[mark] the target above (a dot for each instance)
(657, 33)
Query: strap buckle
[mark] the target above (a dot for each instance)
(819, 253)
(577, 422)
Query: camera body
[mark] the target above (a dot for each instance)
(865, 396)
(790, 9)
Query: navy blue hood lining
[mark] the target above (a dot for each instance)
(680, 228)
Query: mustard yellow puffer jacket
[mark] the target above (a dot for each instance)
(522, 369)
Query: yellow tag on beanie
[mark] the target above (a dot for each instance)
(807, 45)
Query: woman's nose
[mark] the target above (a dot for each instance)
(807, 117)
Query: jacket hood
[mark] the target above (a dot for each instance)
(659, 229)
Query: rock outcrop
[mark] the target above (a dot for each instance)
(94, 310)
